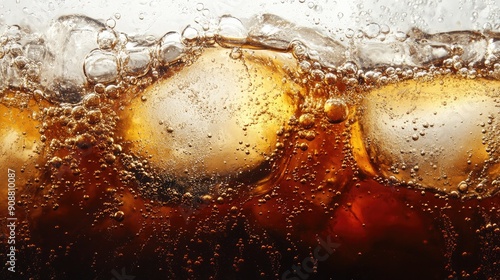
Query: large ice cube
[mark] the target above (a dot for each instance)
(442, 134)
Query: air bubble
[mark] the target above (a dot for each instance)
(350, 67)
(463, 186)
(306, 120)
(111, 23)
(401, 36)
(101, 67)
(349, 33)
(118, 216)
(94, 116)
(299, 51)
(336, 110)
(372, 30)
(330, 78)
(78, 112)
(171, 48)
(231, 32)
(385, 29)
(236, 53)
(190, 34)
(137, 62)
(106, 39)
(91, 101)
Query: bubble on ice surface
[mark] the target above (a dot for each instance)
(101, 67)
(69, 40)
(171, 48)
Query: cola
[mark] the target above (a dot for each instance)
(258, 149)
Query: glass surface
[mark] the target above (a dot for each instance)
(250, 139)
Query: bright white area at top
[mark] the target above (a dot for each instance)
(155, 17)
